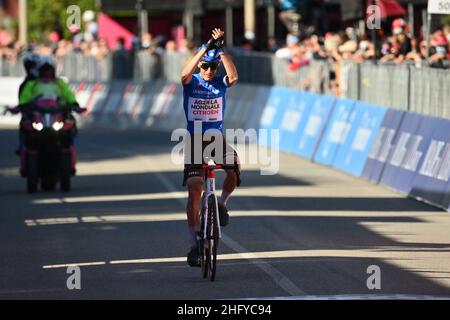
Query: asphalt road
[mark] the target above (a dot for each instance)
(307, 231)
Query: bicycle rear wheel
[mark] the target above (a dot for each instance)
(204, 261)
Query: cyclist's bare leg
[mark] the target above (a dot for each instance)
(195, 188)
(229, 185)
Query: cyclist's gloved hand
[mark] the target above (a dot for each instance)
(217, 40)
(214, 44)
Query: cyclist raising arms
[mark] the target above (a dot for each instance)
(204, 106)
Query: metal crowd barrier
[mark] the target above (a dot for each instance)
(422, 90)
(8, 69)
(405, 87)
(254, 68)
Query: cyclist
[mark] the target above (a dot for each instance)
(204, 105)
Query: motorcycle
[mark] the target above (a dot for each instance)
(47, 156)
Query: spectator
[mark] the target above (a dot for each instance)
(272, 45)
(146, 41)
(121, 60)
(446, 30)
(291, 44)
(63, 48)
(187, 46)
(171, 46)
(103, 49)
(439, 50)
(77, 37)
(366, 50)
(348, 48)
(299, 58)
(90, 26)
(418, 53)
(290, 15)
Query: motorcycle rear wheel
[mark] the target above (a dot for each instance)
(32, 173)
(66, 167)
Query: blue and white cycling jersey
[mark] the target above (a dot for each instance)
(204, 102)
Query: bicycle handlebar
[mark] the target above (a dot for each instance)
(214, 166)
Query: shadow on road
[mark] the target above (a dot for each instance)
(34, 234)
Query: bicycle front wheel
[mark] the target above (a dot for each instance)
(213, 236)
(205, 253)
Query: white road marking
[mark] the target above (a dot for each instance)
(81, 264)
(181, 216)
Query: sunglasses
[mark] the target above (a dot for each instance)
(206, 66)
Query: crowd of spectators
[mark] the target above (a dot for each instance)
(350, 45)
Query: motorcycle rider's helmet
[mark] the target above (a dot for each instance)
(31, 63)
(47, 67)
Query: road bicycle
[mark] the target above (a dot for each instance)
(210, 231)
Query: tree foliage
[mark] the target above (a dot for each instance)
(446, 20)
(45, 16)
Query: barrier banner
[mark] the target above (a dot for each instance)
(407, 152)
(321, 110)
(140, 113)
(433, 175)
(161, 108)
(9, 96)
(83, 93)
(294, 119)
(239, 101)
(99, 93)
(382, 146)
(179, 119)
(234, 105)
(131, 97)
(446, 198)
(336, 132)
(242, 115)
(365, 122)
(107, 114)
(173, 112)
(154, 104)
(114, 99)
(73, 86)
(256, 108)
(273, 112)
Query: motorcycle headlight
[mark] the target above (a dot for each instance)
(58, 126)
(38, 126)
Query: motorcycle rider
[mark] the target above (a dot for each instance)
(49, 87)
(30, 64)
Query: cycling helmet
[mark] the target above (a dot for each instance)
(211, 55)
(30, 63)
